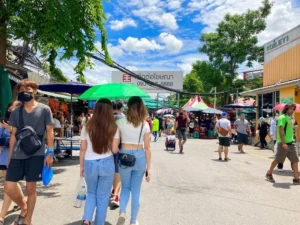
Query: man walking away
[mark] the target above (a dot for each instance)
(224, 131)
(155, 128)
(115, 199)
(161, 125)
(242, 127)
(180, 126)
(27, 160)
(285, 143)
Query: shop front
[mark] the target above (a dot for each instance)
(281, 77)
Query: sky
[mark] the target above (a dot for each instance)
(164, 34)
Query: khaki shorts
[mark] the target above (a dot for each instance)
(291, 153)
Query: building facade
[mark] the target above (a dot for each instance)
(281, 76)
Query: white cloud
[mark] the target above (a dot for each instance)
(114, 51)
(132, 68)
(185, 67)
(172, 44)
(139, 45)
(174, 4)
(158, 16)
(151, 2)
(121, 24)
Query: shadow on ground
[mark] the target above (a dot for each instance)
(283, 185)
(67, 162)
(80, 223)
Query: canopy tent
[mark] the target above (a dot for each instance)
(154, 104)
(55, 95)
(194, 101)
(212, 111)
(201, 106)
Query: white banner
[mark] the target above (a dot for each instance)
(170, 79)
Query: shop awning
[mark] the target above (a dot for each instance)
(55, 95)
(271, 88)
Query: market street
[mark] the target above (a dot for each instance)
(189, 189)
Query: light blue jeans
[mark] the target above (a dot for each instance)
(131, 178)
(99, 175)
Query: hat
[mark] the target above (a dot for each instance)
(224, 114)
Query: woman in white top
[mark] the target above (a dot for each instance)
(99, 140)
(134, 128)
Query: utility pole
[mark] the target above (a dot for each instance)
(215, 97)
(237, 101)
(178, 99)
(157, 101)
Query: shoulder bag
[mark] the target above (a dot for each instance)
(127, 160)
(27, 139)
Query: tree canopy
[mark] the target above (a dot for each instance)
(235, 41)
(59, 29)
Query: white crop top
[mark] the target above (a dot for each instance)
(131, 134)
(90, 154)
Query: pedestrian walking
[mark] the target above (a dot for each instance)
(5, 131)
(155, 128)
(97, 161)
(263, 128)
(135, 135)
(285, 144)
(224, 131)
(180, 126)
(115, 194)
(242, 127)
(26, 157)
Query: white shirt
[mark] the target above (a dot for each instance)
(273, 128)
(225, 124)
(90, 154)
(56, 123)
(131, 134)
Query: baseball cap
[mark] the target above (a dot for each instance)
(224, 114)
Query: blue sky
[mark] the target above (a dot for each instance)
(164, 34)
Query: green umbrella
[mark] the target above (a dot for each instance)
(201, 105)
(5, 91)
(113, 91)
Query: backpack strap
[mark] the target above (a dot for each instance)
(21, 118)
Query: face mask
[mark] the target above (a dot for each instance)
(25, 96)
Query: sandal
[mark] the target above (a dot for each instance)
(296, 181)
(85, 223)
(1, 222)
(18, 220)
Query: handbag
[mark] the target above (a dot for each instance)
(222, 131)
(27, 139)
(127, 160)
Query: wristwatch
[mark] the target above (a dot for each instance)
(50, 152)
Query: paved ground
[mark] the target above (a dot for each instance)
(190, 189)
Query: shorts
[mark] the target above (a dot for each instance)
(169, 127)
(224, 141)
(3, 167)
(30, 169)
(116, 160)
(181, 134)
(242, 138)
(291, 153)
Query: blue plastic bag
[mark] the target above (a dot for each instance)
(47, 175)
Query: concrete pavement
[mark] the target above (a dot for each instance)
(190, 189)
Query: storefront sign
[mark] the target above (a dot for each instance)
(171, 79)
(278, 42)
(287, 100)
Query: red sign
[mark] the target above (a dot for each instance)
(126, 78)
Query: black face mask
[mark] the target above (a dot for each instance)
(25, 96)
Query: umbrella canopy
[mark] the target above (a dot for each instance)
(5, 91)
(238, 105)
(192, 109)
(212, 111)
(113, 91)
(201, 106)
(248, 111)
(281, 106)
(70, 87)
(168, 115)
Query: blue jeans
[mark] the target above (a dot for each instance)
(99, 175)
(131, 178)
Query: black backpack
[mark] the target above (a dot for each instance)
(27, 139)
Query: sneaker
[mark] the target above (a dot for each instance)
(296, 181)
(242, 151)
(122, 219)
(270, 178)
(279, 170)
(136, 223)
(115, 202)
(220, 159)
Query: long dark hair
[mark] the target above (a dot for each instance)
(137, 111)
(287, 107)
(102, 127)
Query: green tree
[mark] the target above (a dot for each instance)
(67, 26)
(235, 42)
(56, 74)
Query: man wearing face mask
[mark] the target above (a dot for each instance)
(25, 159)
(181, 124)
